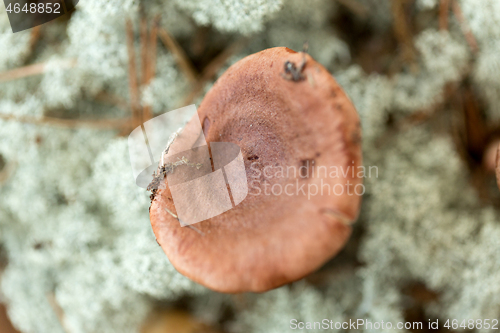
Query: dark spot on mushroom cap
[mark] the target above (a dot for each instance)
(306, 168)
(267, 241)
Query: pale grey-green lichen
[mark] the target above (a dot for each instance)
(429, 238)
(244, 16)
(437, 49)
(18, 44)
(75, 226)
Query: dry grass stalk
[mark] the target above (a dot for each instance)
(144, 49)
(355, 7)
(180, 56)
(444, 9)
(149, 63)
(34, 37)
(71, 123)
(402, 31)
(32, 70)
(469, 36)
(212, 68)
(199, 41)
(133, 80)
(112, 99)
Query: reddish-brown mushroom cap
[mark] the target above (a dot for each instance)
(279, 119)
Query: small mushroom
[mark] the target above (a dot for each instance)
(306, 124)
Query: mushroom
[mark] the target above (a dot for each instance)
(286, 112)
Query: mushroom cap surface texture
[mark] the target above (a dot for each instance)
(279, 123)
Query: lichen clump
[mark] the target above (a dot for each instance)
(74, 227)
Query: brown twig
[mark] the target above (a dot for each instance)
(355, 7)
(212, 68)
(444, 9)
(112, 99)
(180, 56)
(153, 38)
(144, 49)
(199, 41)
(402, 30)
(469, 36)
(133, 81)
(475, 126)
(71, 123)
(34, 37)
(144, 61)
(32, 70)
(150, 64)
